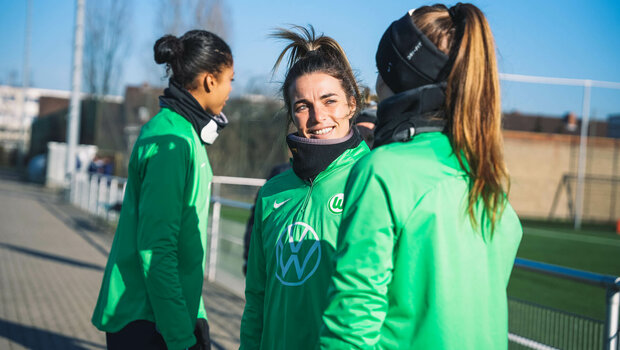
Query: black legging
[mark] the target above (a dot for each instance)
(143, 334)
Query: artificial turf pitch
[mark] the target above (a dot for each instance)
(594, 248)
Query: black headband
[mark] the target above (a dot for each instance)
(407, 59)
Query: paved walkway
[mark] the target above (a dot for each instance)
(52, 258)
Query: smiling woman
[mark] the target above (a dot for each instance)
(298, 212)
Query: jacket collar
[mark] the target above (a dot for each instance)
(348, 157)
(409, 113)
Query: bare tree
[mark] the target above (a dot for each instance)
(178, 16)
(107, 43)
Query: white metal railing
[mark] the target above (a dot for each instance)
(216, 213)
(101, 194)
(97, 193)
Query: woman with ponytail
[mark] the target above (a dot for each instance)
(298, 212)
(151, 294)
(428, 238)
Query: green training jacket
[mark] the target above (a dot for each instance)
(156, 265)
(289, 264)
(410, 270)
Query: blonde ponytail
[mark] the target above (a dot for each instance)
(472, 101)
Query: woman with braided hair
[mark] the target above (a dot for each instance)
(428, 238)
(298, 212)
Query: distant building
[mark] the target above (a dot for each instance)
(49, 105)
(613, 126)
(569, 124)
(18, 108)
(141, 104)
(112, 125)
(101, 124)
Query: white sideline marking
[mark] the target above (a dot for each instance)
(529, 342)
(573, 237)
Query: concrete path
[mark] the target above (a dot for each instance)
(52, 258)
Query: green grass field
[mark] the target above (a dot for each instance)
(594, 249)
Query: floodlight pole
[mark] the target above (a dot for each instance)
(583, 145)
(73, 120)
(25, 85)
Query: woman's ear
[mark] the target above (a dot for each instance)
(209, 82)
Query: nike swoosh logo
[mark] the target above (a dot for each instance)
(277, 205)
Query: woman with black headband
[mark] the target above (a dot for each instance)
(428, 238)
(298, 211)
(151, 294)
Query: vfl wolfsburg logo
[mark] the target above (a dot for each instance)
(298, 254)
(336, 203)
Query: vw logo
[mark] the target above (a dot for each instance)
(298, 254)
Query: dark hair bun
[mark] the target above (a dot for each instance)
(192, 53)
(167, 48)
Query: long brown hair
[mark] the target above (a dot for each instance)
(310, 53)
(472, 100)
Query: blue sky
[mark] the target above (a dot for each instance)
(566, 39)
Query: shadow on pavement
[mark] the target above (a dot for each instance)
(53, 257)
(40, 339)
(224, 311)
(79, 221)
(80, 225)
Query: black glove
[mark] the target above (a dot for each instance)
(201, 331)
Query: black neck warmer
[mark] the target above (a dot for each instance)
(207, 126)
(312, 156)
(409, 113)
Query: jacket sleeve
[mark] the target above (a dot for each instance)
(363, 264)
(252, 320)
(164, 176)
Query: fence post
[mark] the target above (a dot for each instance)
(124, 188)
(611, 323)
(101, 195)
(80, 192)
(85, 192)
(73, 189)
(92, 197)
(113, 197)
(215, 230)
